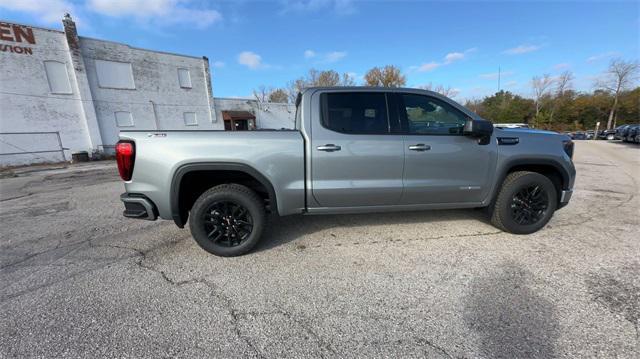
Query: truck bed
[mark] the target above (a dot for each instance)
(278, 155)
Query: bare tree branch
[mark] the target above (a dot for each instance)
(445, 91)
(541, 87)
(619, 76)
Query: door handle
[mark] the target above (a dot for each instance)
(420, 147)
(328, 148)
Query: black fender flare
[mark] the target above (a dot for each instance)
(176, 181)
(510, 164)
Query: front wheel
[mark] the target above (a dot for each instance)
(525, 203)
(227, 220)
(611, 137)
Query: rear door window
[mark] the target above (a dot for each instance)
(355, 112)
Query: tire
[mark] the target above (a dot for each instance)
(611, 137)
(510, 212)
(219, 225)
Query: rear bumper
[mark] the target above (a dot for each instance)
(138, 206)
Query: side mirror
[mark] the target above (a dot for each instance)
(477, 128)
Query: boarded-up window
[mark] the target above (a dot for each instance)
(184, 77)
(124, 119)
(115, 75)
(190, 119)
(58, 77)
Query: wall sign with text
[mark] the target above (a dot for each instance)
(22, 35)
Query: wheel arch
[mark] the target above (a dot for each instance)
(229, 171)
(552, 169)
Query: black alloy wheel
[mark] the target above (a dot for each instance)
(227, 220)
(525, 203)
(227, 223)
(529, 205)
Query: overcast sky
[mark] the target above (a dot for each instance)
(456, 44)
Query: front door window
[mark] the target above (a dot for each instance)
(430, 116)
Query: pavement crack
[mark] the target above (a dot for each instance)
(301, 322)
(16, 197)
(434, 346)
(214, 291)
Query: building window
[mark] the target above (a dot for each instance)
(58, 77)
(124, 119)
(115, 75)
(184, 77)
(190, 119)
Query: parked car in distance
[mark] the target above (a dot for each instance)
(607, 134)
(633, 134)
(353, 150)
(578, 136)
(621, 132)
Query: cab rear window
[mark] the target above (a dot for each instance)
(355, 112)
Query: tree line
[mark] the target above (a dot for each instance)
(554, 105)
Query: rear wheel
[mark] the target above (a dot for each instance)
(227, 220)
(611, 137)
(525, 204)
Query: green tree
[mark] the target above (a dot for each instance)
(590, 108)
(505, 107)
(629, 107)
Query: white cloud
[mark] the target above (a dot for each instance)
(494, 75)
(157, 11)
(511, 84)
(217, 64)
(453, 56)
(250, 60)
(44, 11)
(335, 56)
(602, 56)
(430, 66)
(522, 49)
(561, 66)
(447, 60)
(329, 57)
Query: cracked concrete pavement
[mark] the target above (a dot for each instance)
(79, 280)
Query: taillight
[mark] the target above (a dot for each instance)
(125, 156)
(568, 148)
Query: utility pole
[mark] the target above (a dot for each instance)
(498, 78)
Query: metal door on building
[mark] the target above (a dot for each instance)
(239, 121)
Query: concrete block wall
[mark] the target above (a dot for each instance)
(157, 102)
(27, 102)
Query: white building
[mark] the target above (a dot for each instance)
(59, 89)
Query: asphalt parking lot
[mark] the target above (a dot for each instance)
(79, 280)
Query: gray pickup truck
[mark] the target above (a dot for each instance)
(353, 150)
